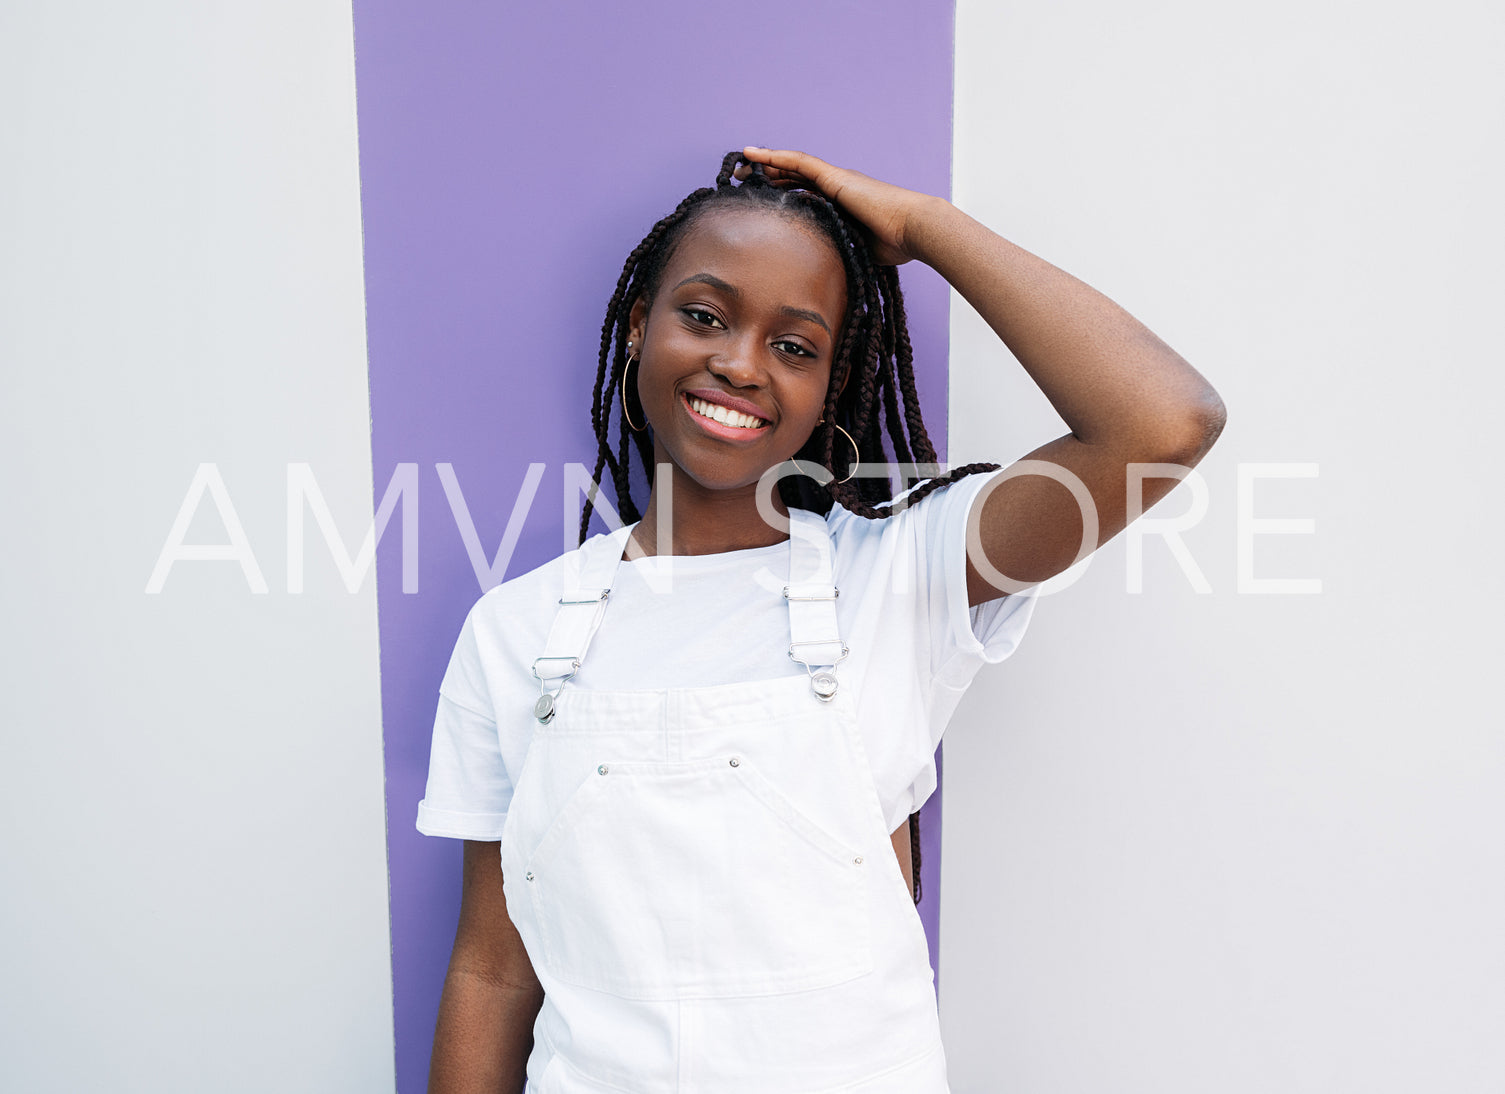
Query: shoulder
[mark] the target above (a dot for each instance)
(520, 609)
(524, 591)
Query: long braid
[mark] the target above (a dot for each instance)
(864, 284)
(895, 425)
(893, 323)
(606, 394)
(626, 509)
(643, 441)
(872, 392)
(918, 435)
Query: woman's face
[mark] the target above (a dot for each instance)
(737, 347)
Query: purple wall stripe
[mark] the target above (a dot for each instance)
(511, 156)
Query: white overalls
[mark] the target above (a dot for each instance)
(703, 877)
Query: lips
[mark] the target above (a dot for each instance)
(730, 402)
(722, 424)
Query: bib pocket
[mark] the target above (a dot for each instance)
(696, 879)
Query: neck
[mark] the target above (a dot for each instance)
(685, 518)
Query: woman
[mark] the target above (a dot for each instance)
(689, 861)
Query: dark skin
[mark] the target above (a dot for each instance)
(759, 320)
(750, 306)
(491, 994)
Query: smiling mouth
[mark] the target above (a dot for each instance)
(732, 419)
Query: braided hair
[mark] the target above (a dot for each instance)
(878, 407)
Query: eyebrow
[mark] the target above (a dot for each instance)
(732, 291)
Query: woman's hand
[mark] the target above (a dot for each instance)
(888, 212)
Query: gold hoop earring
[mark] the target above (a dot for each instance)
(625, 413)
(856, 456)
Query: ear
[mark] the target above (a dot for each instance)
(637, 321)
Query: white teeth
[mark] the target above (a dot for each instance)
(717, 413)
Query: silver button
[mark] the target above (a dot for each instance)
(858, 860)
(530, 875)
(543, 710)
(734, 761)
(603, 769)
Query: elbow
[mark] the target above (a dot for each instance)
(1199, 425)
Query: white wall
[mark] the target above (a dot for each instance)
(193, 852)
(1247, 842)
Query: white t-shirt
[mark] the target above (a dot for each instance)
(702, 620)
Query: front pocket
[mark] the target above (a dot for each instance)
(696, 879)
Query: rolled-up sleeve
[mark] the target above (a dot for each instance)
(964, 638)
(469, 789)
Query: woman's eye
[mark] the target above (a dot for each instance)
(794, 348)
(703, 317)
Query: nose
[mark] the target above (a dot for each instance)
(739, 363)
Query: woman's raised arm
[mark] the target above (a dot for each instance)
(1127, 396)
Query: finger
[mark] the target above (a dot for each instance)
(773, 174)
(777, 181)
(782, 180)
(743, 170)
(801, 163)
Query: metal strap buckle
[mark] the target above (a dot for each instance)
(835, 592)
(567, 599)
(574, 663)
(543, 709)
(823, 682)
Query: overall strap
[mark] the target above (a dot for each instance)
(589, 574)
(814, 638)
